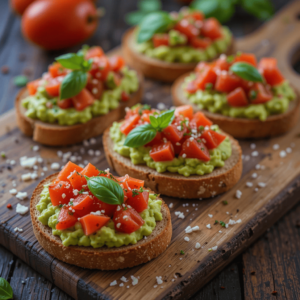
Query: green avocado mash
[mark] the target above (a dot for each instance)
(107, 235)
(182, 53)
(36, 107)
(183, 166)
(216, 102)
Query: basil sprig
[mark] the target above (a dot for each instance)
(155, 22)
(76, 80)
(144, 134)
(6, 291)
(106, 190)
(246, 71)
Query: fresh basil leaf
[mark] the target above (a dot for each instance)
(165, 119)
(135, 17)
(262, 9)
(73, 84)
(20, 80)
(246, 71)
(149, 5)
(155, 22)
(140, 136)
(6, 291)
(106, 190)
(154, 122)
(71, 61)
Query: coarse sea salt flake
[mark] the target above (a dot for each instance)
(197, 246)
(21, 209)
(113, 283)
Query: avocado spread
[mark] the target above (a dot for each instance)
(37, 106)
(216, 102)
(107, 235)
(178, 52)
(183, 166)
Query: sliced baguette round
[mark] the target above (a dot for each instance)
(241, 127)
(155, 68)
(58, 135)
(103, 258)
(176, 185)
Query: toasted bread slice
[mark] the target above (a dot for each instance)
(103, 258)
(155, 68)
(58, 135)
(176, 185)
(242, 127)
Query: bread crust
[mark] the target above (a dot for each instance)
(103, 258)
(176, 185)
(58, 135)
(155, 68)
(241, 127)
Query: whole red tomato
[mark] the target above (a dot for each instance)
(58, 24)
(20, 5)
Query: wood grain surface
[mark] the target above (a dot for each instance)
(280, 194)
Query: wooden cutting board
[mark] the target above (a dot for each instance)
(184, 274)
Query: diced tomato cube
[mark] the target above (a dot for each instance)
(92, 223)
(191, 87)
(259, 94)
(100, 68)
(60, 192)
(267, 63)
(66, 218)
(202, 66)
(208, 76)
(116, 63)
(32, 86)
(56, 69)
(173, 134)
(139, 201)
(82, 202)
(227, 82)
(194, 149)
(160, 39)
(95, 87)
(133, 183)
(83, 100)
(237, 98)
(185, 111)
(186, 28)
(53, 86)
(213, 139)
(156, 140)
(90, 171)
(104, 208)
(125, 96)
(202, 43)
(196, 15)
(200, 119)
(273, 76)
(127, 219)
(129, 124)
(93, 52)
(77, 180)
(246, 57)
(162, 152)
(246, 85)
(211, 28)
(67, 170)
(65, 103)
(222, 64)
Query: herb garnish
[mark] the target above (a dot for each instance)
(135, 193)
(222, 224)
(181, 252)
(253, 94)
(246, 71)
(225, 202)
(81, 191)
(6, 291)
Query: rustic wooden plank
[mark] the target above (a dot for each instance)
(6, 263)
(272, 263)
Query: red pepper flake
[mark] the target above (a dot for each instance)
(274, 293)
(5, 69)
(9, 205)
(222, 287)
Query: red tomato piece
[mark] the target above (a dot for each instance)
(90, 171)
(127, 219)
(213, 139)
(191, 87)
(67, 170)
(160, 39)
(211, 28)
(53, 86)
(202, 43)
(124, 96)
(82, 202)
(186, 28)
(32, 86)
(208, 76)
(83, 100)
(116, 63)
(273, 76)
(237, 98)
(65, 103)
(93, 52)
(139, 202)
(77, 180)
(200, 119)
(100, 68)
(222, 64)
(267, 63)
(173, 134)
(95, 87)
(185, 111)
(196, 15)
(194, 149)
(92, 223)
(60, 192)
(104, 208)
(132, 183)
(259, 94)
(129, 124)
(162, 152)
(156, 140)
(202, 66)
(227, 82)
(56, 69)
(246, 57)
(66, 218)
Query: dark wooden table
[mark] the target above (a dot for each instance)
(270, 269)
